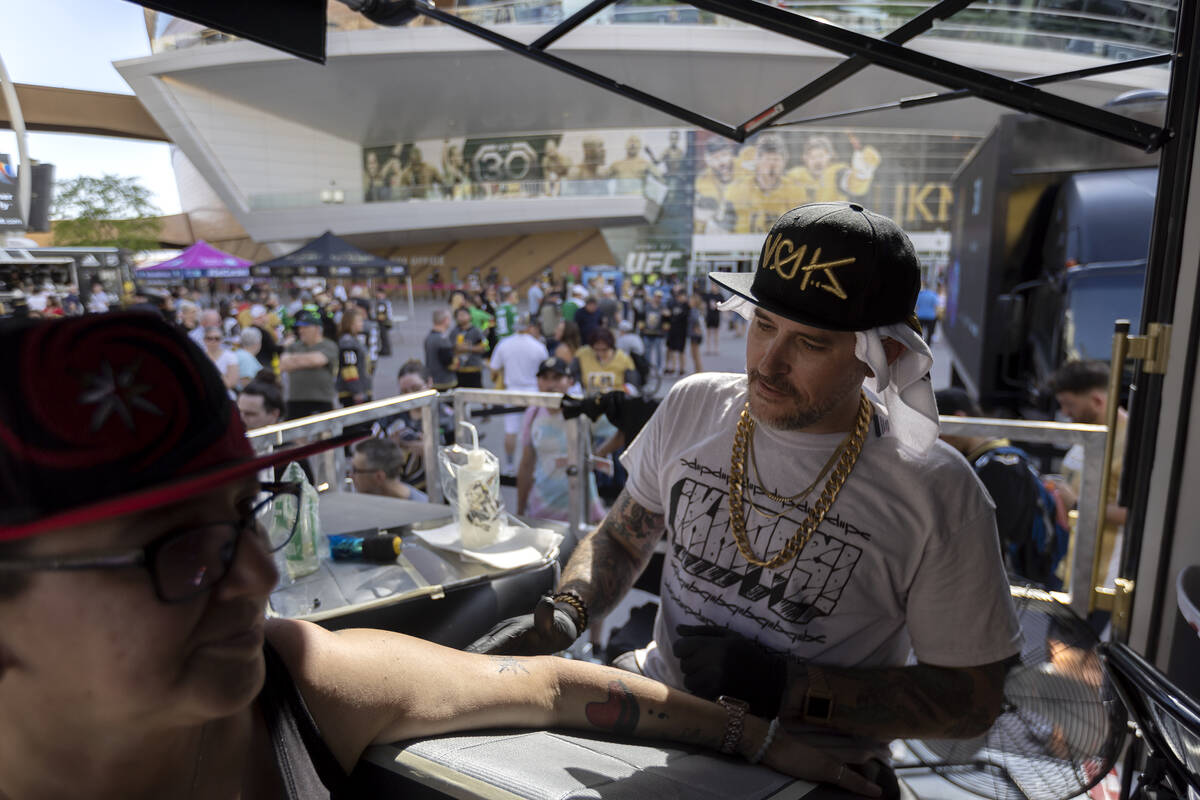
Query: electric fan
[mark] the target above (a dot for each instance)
(1062, 724)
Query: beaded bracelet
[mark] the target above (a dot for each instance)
(762, 750)
(575, 601)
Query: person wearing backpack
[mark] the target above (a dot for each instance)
(1033, 538)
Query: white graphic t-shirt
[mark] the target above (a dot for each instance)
(906, 560)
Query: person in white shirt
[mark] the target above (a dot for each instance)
(536, 294)
(518, 357)
(247, 355)
(828, 561)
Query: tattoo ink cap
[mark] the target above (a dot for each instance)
(380, 549)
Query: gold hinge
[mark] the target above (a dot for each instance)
(1117, 600)
(1153, 349)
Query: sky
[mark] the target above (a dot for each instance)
(72, 43)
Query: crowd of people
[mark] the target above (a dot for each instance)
(28, 297)
(655, 324)
(602, 336)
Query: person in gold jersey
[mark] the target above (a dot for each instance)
(711, 207)
(822, 178)
(758, 200)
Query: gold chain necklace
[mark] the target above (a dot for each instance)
(737, 487)
(791, 500)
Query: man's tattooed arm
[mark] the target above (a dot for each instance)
(919, 701)
(608, 560)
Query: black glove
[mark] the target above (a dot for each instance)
(716, 661)
(629, 414)
(572, 407)
(551, 628)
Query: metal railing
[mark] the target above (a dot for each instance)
(1079, 575)
(649, 186)
(334, 423)
(331, 464)
(1078, 585)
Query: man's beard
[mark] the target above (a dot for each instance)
(797, 419)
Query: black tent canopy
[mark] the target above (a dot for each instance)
(329, 256)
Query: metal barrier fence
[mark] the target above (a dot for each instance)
(331, 464)
(1091, 437)
(1086, 538)
(330, 472)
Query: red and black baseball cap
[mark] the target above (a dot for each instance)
(835, 266)
(109, 414)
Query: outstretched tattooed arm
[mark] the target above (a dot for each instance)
(368, 687)
(608, 560)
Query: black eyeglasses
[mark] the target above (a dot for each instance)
(187, 562)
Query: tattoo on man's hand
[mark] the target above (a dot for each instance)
(618, 714)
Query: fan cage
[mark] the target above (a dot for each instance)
(1062, 724)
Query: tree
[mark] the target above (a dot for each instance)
(108, 211)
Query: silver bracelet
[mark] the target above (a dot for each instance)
(762, 750)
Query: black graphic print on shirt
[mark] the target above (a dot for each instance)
(785, 599)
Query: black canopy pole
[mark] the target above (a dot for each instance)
(570, 23)
(958, 94)
(1002, 91)
(851, 66)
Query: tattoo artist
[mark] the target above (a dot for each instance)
(817, 532)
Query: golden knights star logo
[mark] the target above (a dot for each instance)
(781, 255)
(115, 392)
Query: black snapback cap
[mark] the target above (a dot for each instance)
(555, 365)
(834, 266)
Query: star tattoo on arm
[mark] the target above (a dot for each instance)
(508, 664)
